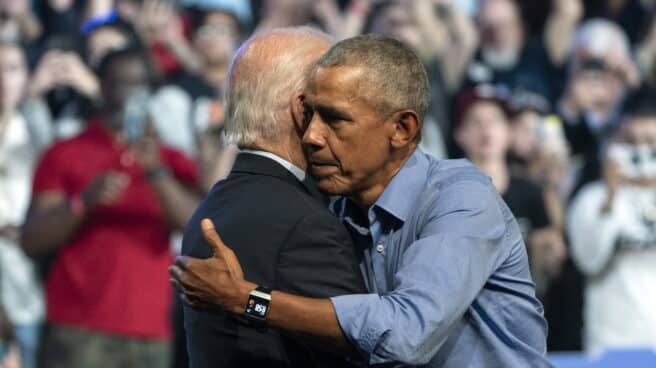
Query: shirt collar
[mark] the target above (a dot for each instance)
(295, 170)
(400, 195)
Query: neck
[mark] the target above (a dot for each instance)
(365, 198)
(497, 170)
(113, 123)
(282, 148)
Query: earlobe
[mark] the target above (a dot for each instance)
(406, 128)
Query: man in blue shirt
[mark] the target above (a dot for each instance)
(442, 255)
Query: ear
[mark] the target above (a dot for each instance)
(406, 128)
(298, 111)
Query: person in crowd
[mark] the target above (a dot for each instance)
(440, 250)
(613, 236)
(633, 16)
(539, 150)
(189, 109)
(445, 39)
(106, 37)
(104, 204)
(483, 131)
(264, 103)
(600, 73)
(62, 89)
(19, 22)
(323, 14)
(509, 56)
(20, 289)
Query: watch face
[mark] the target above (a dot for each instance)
(257, 307)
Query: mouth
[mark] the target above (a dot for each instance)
(323, 168)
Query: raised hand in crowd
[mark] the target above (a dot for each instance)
(158, 22)
(561, 25)
(105, 189)
(61, 5)
(613, 178)
(548, 251)
(63, 69)
(18, 21)
(646, 50)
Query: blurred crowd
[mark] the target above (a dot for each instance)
(111, 118)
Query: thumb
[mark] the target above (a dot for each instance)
(212, 238)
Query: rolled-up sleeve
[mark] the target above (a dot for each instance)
(458, 248)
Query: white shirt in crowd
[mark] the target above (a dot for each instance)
(617, 253)
(20, 293)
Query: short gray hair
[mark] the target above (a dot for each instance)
(393, 71)
(261, 81)
(598, 36)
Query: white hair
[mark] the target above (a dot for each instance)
(598, 36)
(262, 80)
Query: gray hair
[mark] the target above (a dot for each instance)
(262, 80)
(394, 73)
(598, 36)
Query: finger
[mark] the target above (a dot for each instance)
(182, 262)
(178, 273)
(176, 285)
(212, 238)
(118, 177)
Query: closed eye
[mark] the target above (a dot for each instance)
(331, 115)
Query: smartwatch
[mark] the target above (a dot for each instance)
(257, 306)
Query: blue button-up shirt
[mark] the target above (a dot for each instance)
(445, 262)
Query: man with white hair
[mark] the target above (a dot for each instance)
(599, 74)
(283, 233)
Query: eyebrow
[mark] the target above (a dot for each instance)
(330, 111)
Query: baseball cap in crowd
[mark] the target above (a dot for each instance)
(496, 93)
(521, 100)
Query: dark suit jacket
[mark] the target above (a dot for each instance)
(284, 238)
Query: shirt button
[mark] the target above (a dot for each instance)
(380, 248)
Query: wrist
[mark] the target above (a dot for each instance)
(238, 305)
(360, 8)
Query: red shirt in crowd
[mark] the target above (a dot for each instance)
(111, 277)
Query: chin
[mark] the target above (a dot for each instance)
(330, 187)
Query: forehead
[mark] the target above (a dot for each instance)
(484, 109)
(336, 85)
(219, 18)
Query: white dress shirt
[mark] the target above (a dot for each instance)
(20, 293)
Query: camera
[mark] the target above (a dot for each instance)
(593, 65)
(135, 114)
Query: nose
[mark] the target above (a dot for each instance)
(315, 135)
